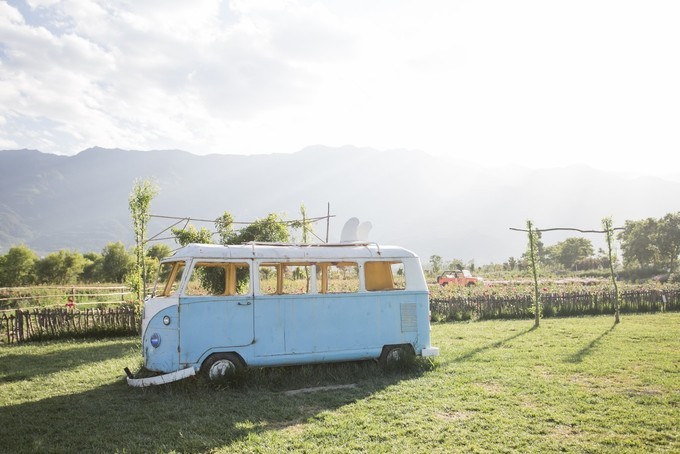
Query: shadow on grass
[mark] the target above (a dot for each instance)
(17, 367)
(190, 415)
(496, 344)
(587, 350)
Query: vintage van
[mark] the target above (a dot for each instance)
(216, 309)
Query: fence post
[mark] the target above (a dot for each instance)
(19, 320)
(4, 323)
(664, 301)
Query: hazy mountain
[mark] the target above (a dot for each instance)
(454, 208)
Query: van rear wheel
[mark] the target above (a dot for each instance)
(393, 355)
(219, 366)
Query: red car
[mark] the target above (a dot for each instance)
(457, 277)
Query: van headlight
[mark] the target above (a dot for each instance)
(166, 320)
(155, 340)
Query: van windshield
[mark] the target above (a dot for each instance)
(169, 278)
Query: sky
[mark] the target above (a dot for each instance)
(528, 83)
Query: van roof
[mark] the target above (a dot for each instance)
(340, 251)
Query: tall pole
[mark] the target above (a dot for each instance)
(328, 220)
(533, 258)
(607, 225)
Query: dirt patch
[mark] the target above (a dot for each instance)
(543, 372)
(318, 389)
(643, 392)
(296, 425)
(563, 431)
(454, 416)
(295, 429)
(492, 388)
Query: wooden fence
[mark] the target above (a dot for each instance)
(42, 324)
(61, 296)
(554, 304)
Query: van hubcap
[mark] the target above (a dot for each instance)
(221, 369)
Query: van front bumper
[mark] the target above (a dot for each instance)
(161, 379)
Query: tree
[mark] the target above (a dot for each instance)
(540, 251)
(116, 262)
(639, 243)
(669, 239)
(159, 251)
(92, 270)
(568, 252)
(532, 256)
(304, 224)
(592, 263)
(225, 228)
(436, 264)
(455, 264)
(154, 255)
(607, 225)
(190, 235)
(271, 229)
(62, 267)
(140, 198)
(18, 267)
(652, 243)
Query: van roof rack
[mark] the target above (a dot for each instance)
(346, 243)
(341, 244)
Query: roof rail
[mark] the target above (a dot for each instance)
(313, 245)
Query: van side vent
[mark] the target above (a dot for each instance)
(409, 318)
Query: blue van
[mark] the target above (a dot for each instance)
(216, 309)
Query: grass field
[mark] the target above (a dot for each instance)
(575, 385)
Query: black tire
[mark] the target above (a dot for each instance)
(219, 366)
(443, 284)
(395, 355)
(470, 284)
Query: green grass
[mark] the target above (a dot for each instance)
(574, 384)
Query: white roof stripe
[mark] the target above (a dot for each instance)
(345, 251)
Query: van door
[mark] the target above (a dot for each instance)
(215, 312)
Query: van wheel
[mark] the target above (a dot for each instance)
(221, 365)
(393, 355)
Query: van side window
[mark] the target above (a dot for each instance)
(285, 278)
(169, 278)
(218, 278)
(340, 277)
(384, 276)
(399, 275)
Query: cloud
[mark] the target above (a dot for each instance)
(149, 73)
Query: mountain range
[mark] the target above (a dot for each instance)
(452, 207)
